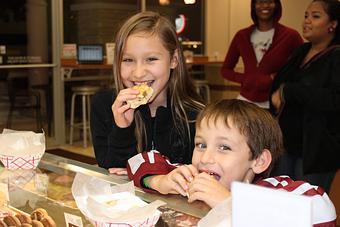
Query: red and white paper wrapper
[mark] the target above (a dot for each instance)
(21, 149)
(117, 206)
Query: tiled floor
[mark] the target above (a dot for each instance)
(76, 147)
(79, 149)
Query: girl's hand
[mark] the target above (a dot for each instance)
(175, 182)
(118, 171)
(207, 189)
(122, 112)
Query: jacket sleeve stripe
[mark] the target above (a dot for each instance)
(135, 162)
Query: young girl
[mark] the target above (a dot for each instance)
(147, 52)
(235, 141)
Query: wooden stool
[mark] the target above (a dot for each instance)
(85, 92)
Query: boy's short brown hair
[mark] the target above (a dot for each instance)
(258, 126)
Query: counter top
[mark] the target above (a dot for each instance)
(49, 187)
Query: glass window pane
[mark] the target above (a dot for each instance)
(96, 21)
(24, 103)
(25, 39)
(25, 34)
(194, 20)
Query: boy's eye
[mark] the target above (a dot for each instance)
(224, 148)
(200, 145)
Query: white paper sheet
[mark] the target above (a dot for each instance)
(92, 194)
(258, 206)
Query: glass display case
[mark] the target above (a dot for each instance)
(49, 187)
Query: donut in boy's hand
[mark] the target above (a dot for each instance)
(145, 93)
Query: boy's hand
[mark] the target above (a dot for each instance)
(175, 182)
(122, 112)
(207, 189)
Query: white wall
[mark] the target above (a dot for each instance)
(225, 17)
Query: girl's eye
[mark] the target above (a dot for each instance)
(127, 60)
(150, 59)
(200, 145)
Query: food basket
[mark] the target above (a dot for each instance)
(116, 206)
(21, 149)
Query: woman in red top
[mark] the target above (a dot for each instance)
(264, 48)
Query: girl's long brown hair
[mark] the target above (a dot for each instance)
(180, 86)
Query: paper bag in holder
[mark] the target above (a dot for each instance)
(21, 149)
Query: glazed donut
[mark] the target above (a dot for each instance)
(26, 225)
(39, 214)
(12, 221)
(24, 218)
(36, 223)
(3, 224)
(48, 222)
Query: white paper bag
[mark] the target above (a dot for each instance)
(21, 149)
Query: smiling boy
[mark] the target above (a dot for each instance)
(235, 141)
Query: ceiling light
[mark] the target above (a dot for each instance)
(164, 2)
(190, 1)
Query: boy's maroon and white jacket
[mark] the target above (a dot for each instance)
(154, 163)
(146, 164)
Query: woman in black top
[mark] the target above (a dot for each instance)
(306, 96)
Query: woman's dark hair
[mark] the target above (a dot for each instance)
(332, 8)
(276, 16)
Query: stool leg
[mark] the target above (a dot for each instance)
(38, 113)
(207, 89)
(198, 90)
(9, 117)
(48, 110)
(89, 117)
(72, 118)
(84, 121)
